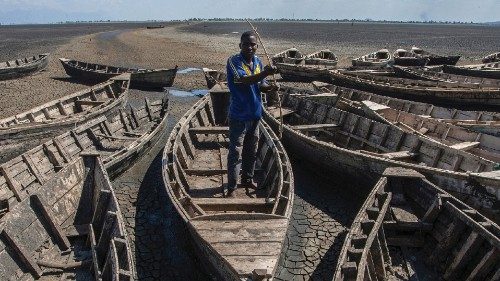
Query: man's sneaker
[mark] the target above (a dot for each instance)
(230, 193)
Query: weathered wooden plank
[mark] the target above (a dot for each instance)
(148, 109)
(12, 184)
(314, 127)
(100, 211)
(61, 150)
(102, 246)
(450, 237)
(486, 264)
(466, 219)
(55, 229)
(466, 145)
(209, 130)
(25, 257)
(247, 248)
(33, 168)
(468, 249)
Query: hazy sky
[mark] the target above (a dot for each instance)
(46, 11)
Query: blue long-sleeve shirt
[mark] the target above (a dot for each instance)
(245, 101)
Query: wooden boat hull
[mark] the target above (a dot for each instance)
(78, 202)
(342, 161)
(407, 218)
(28, 129)
(457, 97)
(153, 79)
(404, 61)
(441, 60)
(25, 68)
(238, 238)
(292, 56)
(493, 73)
(139, 78)
(324, 58)
(381, 58)
(302, 73)
(482, 145)
(121, 140)
(479, 121)
(467, 81)
(361, 63)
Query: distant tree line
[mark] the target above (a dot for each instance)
(330, 20)
(275, 20)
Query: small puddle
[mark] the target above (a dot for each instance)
(187, 70)
(192, 93)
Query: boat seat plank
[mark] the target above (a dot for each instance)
(240, 224)
(314, 127)
(230, 201)
(247, 248)
(465, 145)
(209, 130)
(239, 234)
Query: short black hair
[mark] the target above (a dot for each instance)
(247, 34)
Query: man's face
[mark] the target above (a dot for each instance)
(248, 46)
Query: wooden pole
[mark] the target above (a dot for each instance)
(274, 76)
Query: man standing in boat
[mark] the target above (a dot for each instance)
(245, 79)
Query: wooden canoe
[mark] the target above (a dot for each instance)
(139, 78)
(291, 55)
(482, 145)
(435, 59)
(380, 58)
(405, 58)
(479, 121)
(23, 67)
(488, 70)
(410, 229)
(378, 71)
(121, 140)
(495, 57)
(70, 227)
(439, 93)
(303, 73)
(30, 128)
(323, 58)
(350, 145)
(239, 238)
(423, 74)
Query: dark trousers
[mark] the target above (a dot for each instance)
(243, 139)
